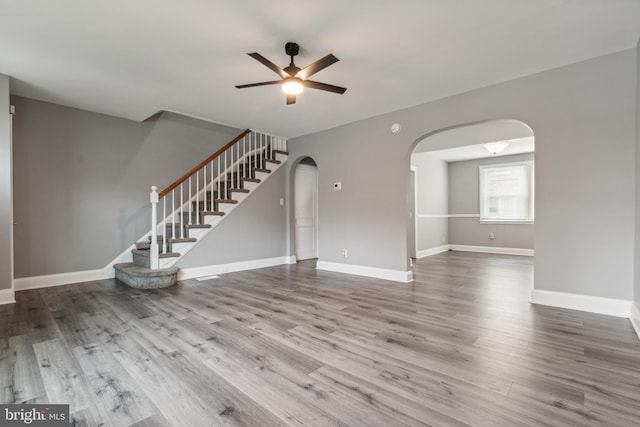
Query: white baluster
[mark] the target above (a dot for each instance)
(189, 201)
(255, 151)
(153, 250)
(219, 183)
(211, 195)
(197, 197)
(244, 155)
(164, 225)
(173, 214)
(225, 175)
(236, 175)
(181, 211)
(204, 195)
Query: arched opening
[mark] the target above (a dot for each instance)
(305, 209)
(472, 189)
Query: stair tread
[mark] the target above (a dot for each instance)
(286, 153)
(263, 170)
(171, 240)
(147, 253)
(218, 213)
(273, 161)
(147, 242)
(197, 225)
(182, 239)
(226, 201)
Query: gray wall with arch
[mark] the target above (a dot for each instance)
(574, 111)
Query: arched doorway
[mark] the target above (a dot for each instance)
(454, 170)
(305, 212)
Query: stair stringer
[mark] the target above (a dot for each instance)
(199, 233)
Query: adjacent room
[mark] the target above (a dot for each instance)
(283, 213)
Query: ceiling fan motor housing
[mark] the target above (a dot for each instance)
(291, 48)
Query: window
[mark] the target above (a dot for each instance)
(507, 192)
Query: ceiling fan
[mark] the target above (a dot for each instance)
(294, 79)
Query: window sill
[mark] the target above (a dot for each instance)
(506, 222)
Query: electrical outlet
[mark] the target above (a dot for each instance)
(343, 253)
(492, 236)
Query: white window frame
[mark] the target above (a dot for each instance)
(530, 208)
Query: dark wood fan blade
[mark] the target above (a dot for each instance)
(264, 61)
(259, 84)
(324, 86)
(320, 64)
(291, 99)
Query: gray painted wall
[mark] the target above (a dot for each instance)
(5, 185)
(583, 117)
(257, 229)
(464, 188)
(636, 294)
(432, 199)
(82, 180)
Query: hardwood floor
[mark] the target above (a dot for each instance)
(293, 346)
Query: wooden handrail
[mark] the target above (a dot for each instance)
(202, 164)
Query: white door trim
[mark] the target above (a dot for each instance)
(314, 170)
(414, 169)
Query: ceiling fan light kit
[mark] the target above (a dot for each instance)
(293, 78)
(292, 86)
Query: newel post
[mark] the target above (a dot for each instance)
(153, 250)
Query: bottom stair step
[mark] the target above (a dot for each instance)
(145, 278)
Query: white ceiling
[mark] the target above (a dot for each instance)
(478, 151)
(466, 142)
(135, 58)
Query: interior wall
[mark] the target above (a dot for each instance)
(432, 201)
(637, 188)
(5, 186)
(583, 118)
(464, 194)
(82, 180)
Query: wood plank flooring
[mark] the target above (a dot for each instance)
(292, 346)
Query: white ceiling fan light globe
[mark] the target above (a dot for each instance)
(292, 86)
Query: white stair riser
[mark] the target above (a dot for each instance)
(251, 185)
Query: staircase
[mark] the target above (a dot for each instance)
(196, 203)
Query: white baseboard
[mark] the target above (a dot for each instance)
(432, 251)
(46, 281)
(361, 270)
(635, 318)
(7, 296)
(492, 250)
(608, 306)
(37, 282)
(213, 270)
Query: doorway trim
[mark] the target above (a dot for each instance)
(296, 250)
